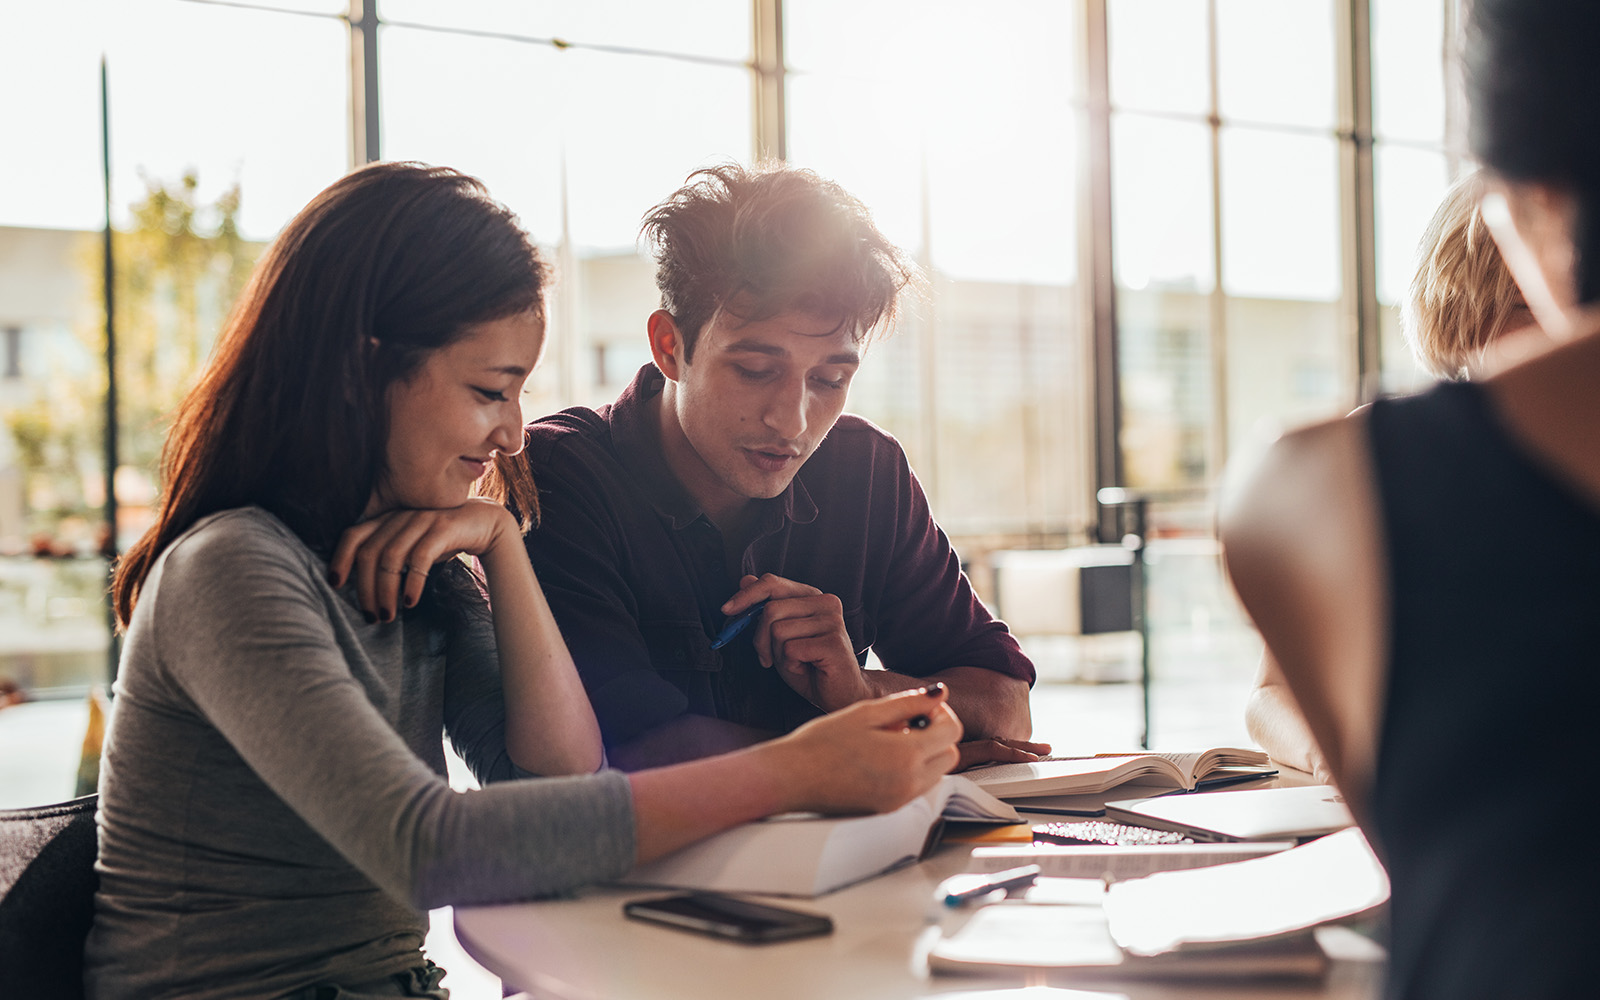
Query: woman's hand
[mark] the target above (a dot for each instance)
(391, 555)
(874, 755)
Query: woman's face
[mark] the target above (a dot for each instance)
(460, 408)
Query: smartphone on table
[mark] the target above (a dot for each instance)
(729, 917)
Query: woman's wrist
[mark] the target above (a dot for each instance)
(506, 530)
(780, 776)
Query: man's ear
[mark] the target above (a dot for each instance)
(666, 344)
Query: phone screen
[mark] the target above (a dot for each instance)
(729, 917)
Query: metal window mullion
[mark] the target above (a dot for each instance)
(1457, 160)
(1217, 439)
(1358, 216)
(768, 80)
(365, 138)
(111, 457)
(1099, 280)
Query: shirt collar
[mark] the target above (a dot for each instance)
(638, 446)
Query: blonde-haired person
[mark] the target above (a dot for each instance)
(1462, 299)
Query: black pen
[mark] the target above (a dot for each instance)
(957, 891)
(738, 623)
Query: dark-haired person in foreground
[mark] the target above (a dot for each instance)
(727, 475)
(1427, 571)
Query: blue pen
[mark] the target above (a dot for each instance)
(960, 889)
(738, 623)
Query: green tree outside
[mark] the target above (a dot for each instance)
(179, 268)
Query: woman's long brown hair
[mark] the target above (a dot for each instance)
(391, 262)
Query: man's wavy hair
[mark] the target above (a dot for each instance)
(759, 241)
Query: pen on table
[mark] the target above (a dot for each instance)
(1011, 878)
(738, 623)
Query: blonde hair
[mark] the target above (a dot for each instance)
(1461, 294)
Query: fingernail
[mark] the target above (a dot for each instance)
(333, 578)
(919, 722)
(934, 690)
(371, 618)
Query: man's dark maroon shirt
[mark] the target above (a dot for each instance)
(636, 576)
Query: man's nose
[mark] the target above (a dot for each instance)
(786, 410)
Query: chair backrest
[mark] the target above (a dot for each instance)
(47, 885)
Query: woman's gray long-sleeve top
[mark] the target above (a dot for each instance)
(273, 807)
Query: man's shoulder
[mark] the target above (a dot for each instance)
(855, 439)
(860, 470)
(575, 430)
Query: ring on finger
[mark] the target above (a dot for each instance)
(414, 571)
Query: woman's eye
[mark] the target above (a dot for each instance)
(492, 395)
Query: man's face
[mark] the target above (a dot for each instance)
(754, 404)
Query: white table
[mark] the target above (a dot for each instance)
(584, 949)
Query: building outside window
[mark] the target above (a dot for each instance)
(1229, 215)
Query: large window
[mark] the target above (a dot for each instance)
(580, 119)
(222, 123)
(958, 125)
(1235, 204)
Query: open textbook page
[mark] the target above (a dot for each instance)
(1097, 774)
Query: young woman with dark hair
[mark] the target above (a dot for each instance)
(274, 814)
(1426, 572)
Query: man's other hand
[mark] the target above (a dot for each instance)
(999, 751)
(801, 634)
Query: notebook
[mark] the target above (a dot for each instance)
(1257, 814)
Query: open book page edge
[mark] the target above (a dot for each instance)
(966, 799)
(1075, 941)
(1058, 777)
(800, 855)
(1117, 862)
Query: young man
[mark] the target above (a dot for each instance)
(725, 477)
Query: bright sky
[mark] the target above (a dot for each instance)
(965, 110)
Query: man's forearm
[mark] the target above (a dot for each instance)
(687, 737)
(989, 704)
(1274, 721)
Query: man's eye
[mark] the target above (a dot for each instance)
(836, 383)
(752, 374)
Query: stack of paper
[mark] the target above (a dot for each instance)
(1253, 918)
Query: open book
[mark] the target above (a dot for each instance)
(1097, 774)
(802, 854)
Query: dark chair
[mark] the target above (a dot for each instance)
(47, 884)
